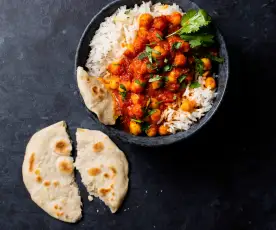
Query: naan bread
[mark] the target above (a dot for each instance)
(96, 97)
(103, 167)
(48, 173)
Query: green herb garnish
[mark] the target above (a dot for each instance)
(191, 23)
(156, 78)
(151, 112)
(183, 85)
(199, 66)
(140, 83)
(145, 126)
(181, 78)
(195, 85)
(198, 39)
(216, 59)
(174, 97)
(122, 87)
(166, 78)
(176, 45)
(123, 94)
(138, 121)
(167, 68)
(166, 60)
(158, 36)
(142, 55)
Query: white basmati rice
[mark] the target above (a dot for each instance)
(109, 43)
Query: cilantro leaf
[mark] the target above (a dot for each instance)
(194, 85)
(138, 121)
(216, 59)
(198, 39)
(166, 78)
(199, 66)
(183, 85)
(181, 78)
(174, 97)
(145, 126)
(158, 36)
(123, 94)
(167, 68)
(142, 56)
(140, 83)
(122, 87)
(166, 60)
(192, 21)
(176, 45)
(148, 49)
(151, 112)
(156, 78)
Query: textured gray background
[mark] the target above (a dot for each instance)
(177, 187)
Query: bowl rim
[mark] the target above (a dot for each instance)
(158, 140)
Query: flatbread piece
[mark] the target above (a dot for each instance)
(103, 167)
(96, 97)
(48, 173)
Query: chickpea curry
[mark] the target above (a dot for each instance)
(155, 70)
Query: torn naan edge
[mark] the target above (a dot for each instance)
(103, 167)
(96, 97)
(48, 173)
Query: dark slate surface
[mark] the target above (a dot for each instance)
(231, 187)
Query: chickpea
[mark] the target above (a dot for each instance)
(159, 52)
(137, 85)
(160, 23)
(187, 105)
(185, 47)
(163, 130)
(137, 111)
(205, 74)
(145, 20)
(135, 98)
(206, 63)
(210, 82)
(156, 84)
(135, 128)
(152, 131)
(154, 103)
(179, 59)
(139, 44)
(143, 32)
(173, 75)
(114, 83)
(155, 117)
(174, 18)
(115, 68)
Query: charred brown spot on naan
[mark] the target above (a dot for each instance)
(114, 171)
(55, 183)
(46, 183)
(94, 171)
(31, 162)
(59, 214)
(61, 147)
(106, 175)
(65, 167)
(38, 179)
(104, 191)
(98, 147)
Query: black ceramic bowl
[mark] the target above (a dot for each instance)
(83, 52)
